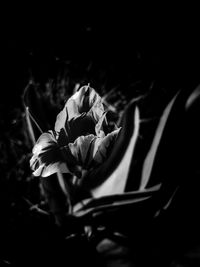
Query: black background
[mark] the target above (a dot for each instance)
(136, 43)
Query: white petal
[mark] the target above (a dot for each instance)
(45, 141)
(99, 126)
(46, 171)
(60, 120)
(69, 111)
(80, 147)
(101, 146)
(72, 109)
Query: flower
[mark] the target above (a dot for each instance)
(80, 141)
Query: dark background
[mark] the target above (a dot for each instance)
(130, 44)
(121, 47)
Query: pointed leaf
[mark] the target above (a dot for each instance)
(108, 167)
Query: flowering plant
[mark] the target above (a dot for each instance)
(80, 140)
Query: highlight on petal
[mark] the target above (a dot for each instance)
(81, 99)
(45, 142)
(103, 146)
(69, 112)
(100, 126)
(47, 157)
(81, 149)
(45, 171)
(96, 107)
(61, 120)
(48, 163)
(84, 101)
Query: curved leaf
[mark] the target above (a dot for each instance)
(129, 123)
